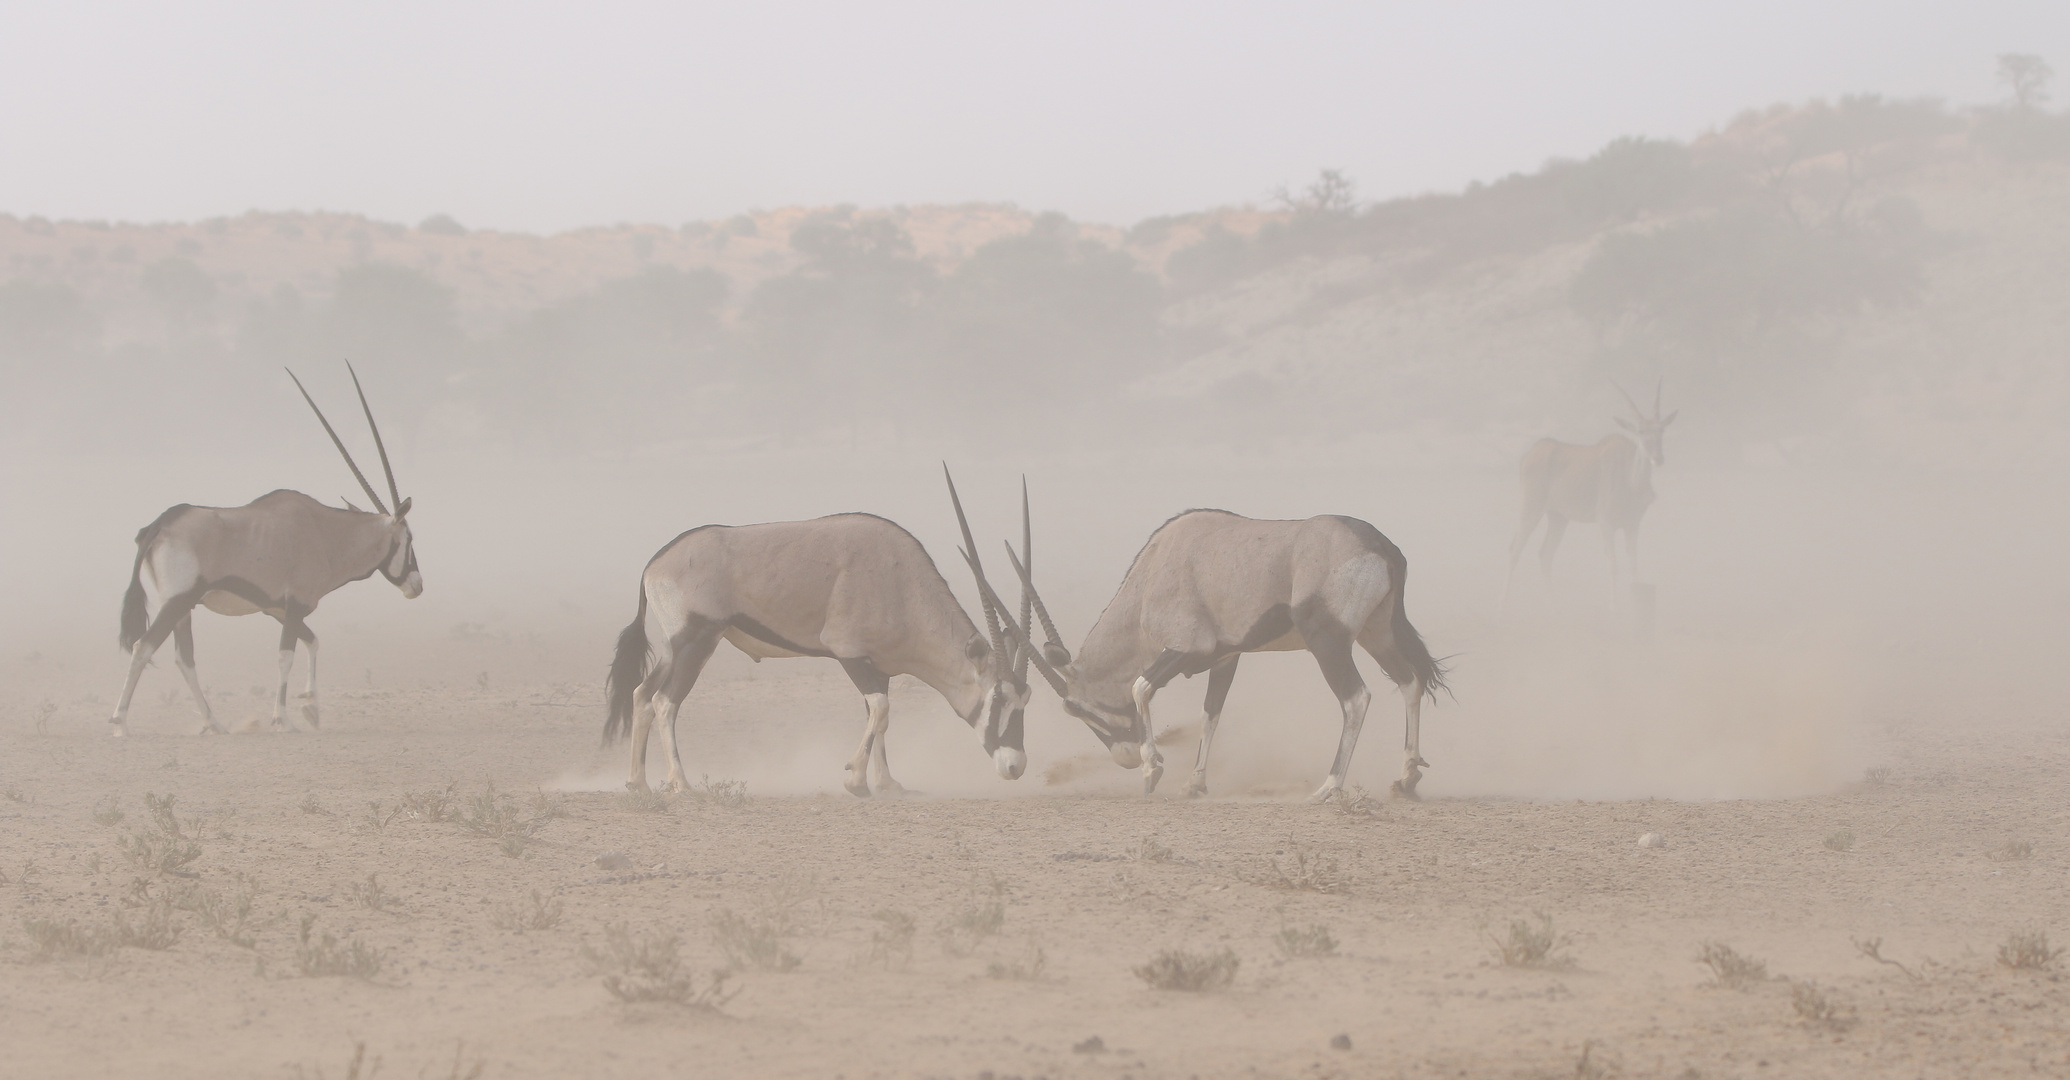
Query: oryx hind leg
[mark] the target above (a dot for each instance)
(876, 692)
(1380, 644)
(183, 655)
(161, 627)
(309, 711)
(1219, 678)
(1331, 647)
(691, 656)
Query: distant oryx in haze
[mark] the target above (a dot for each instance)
(1609, 483)
(1210, 586)
(281, 553)
(852, 587)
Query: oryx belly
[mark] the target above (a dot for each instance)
(229, 603)
(756, 647)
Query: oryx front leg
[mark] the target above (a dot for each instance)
(183, 654)
(1341, 672)
(877, 706)
(1153, 761)
(1219, 678)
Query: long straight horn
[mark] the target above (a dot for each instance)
(1027, 561)
(1657, 385)
(376, 429)
(977, 569)
(1049, 629)
(1020, 637)
(340, 444)
(1636, 411)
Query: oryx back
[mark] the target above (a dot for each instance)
(282, 551)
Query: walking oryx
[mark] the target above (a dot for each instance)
(281, 553)
(1210, 586)
(853, 587)
(1609, 483)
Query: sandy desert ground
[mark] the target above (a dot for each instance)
(1026, 907)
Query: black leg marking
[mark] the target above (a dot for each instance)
(866, 677)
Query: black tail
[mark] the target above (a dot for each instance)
(1410, 656)
(134, 620)
(628, 667)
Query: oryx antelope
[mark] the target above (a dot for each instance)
(1609, 483)
(281, 553)
(852, 587)
(1210, 586)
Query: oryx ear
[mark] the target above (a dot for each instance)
(1670, 418)
(402, 509)
(1056, 654)
(1625, 424)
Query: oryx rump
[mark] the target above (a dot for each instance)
(1210, 586)
(1609, 483)
(281, 553)
(851, 587)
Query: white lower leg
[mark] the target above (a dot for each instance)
(1412, 737)
(877, 716)
(1153, 761)
(1199, 785)
(643, 720)
(309, 711)
(1354, 719)
(287, 667)
(666, 721)
(878, 753)
(139, 658)
(193, 677)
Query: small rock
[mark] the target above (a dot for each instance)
(1094, 1045)
(1340, 1042)
(613, 860)
(1651, 839)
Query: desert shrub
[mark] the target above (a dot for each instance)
(1295, 942)
(1026, 968)
(1815, 1006)
(154, 928)
(648, 967)
(644, 802)
(65, 937)
(733, 793)
(1148, 849)
(369, 894)
(225, 916)
(982, 914)
(435, 805)
(107, 814)
(2012, 851)
(317, 957)
(165, 847)
(891, 942)
(754, 939)
(537, 913)
(1178, 969)
(2028, 950)
(1532, 946)
(1840, 840)
(1731, 968)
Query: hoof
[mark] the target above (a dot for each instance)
(119, 731)
(636, 786)
(1197, 789)
(892, 789)
(1151, 776)
(1405, 789)
(208, 727)
(309, 716)
(858, 788)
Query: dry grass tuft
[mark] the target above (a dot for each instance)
(524, 916)
(1813, 1006)
(2011, 851)
(645, 802)
(1840, 840)
(1877, 776)
(434, 806)
(497, 817)
(1027, 968)
(1533, 946)
(165, 847)
(325, 956)
(648, 968)
(225, 916)
(1178, 969)
(731, 793)
(309, 805)
(891, 943)
(369, 894)
(1298, 942)
(2027, 950)
(1731, 968)
(1150, 850)
(753, 940)
(1304, 869)
(107, 814)
(54, 938)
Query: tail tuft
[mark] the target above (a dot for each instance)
(628, 667)
(134, 614)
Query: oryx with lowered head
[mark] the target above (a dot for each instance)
(1609, 483)
(1210, 586)
(281, 553)
(855, 588)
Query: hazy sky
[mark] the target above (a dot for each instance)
(548, 116)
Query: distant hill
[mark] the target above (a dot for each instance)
(1866, 279)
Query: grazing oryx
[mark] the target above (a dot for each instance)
(1210, 586)
(1609, 483)
(853, 587)
(281, 553)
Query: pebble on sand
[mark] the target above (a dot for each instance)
(1652, 839)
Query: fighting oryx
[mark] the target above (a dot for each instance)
(281, 553)
(852, 587)
(1210, 586)
(1609, 483)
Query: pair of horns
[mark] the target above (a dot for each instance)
(996, 612)
(402, 505)
(1641, 413)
